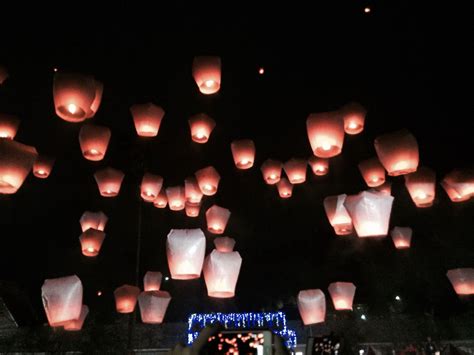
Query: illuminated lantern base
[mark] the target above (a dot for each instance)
(152, 281)
(342, 294)
(343, 228)
(192, 210)
(91, 242)
(161, 201)
(153, 306)
(76, 325)
(462, 280)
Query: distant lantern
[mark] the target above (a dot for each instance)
(185, 249)
(147, 118)
(91, 241)
(372, 171)
(207, 74)
(462, 280)
(295, 169)
(208, 180)
(96, 220)
(312, 306)
(285, 189)
(75, 325)
(337, 214)
(192, 191)
(320, 166)
(217, 218)
(76, 96)
(42, 166)
(201, 126)
(16, 161)
(176, 199)
(342, 294)
(224, 244)
(401, 237)
(353, 115)
(398, 152)
(370, 213)
(153, 306)
(459, 185)
(385, 188)
(62, 299)
(150, 187)
(325, 133)
(421, 186)
(221, 272)
(126, 298)
(161, 200)
(192, 209)
(94, 141)
(8, 126)
(271, 171)
(243, 152)
(152, 281)
(109, 181)
(3, 74)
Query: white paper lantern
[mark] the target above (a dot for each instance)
(185, 249)
(342, 294)
(152, 280)
(221, 271)
(153, 306)
(312, 306)
(401, 237)
(337, 214)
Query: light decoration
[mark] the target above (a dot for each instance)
(8, 125)
(96, 220)
(326, 133)
(295, 169)
(353, 115)
(109, 181)
(201, 126)
(217, 218)
(150, 187)
(207, 74)
(91, 241)
(462, 280)
(147, 119)
(94, 141)
(285, 188)
(337, 214)
(342, 295)
(421, 186)
(192, 192)
(401, 237)
(153, 306)
(126, 298)
(185, 249)
(243, 152)
(271, 171)
(161, 201)
(208, 180)
(42, 166)
(459, 185)
(372, 171)
(320, 166)
(175, 196)
(75, 325)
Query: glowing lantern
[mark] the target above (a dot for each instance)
(147, 118)
(175, 196)
(153, 306)
(243, 152)
(76, 97)
(337, 214)
(208, 180)
(285, 189)
(342, 294)
(3, 74)
(224, 244)
(94, 141)
(109, 181)
(207, 73)
(8, 125)
(16, 161)
(126, 298)
(75, 325)
(320, 166)
(271, 171)
(372, 172)
(370, 213)
(312, 306)
(185, 249)
(354, 117)
(201, 126)
(385, 188)
(401, 237)
(398, 152)
(42, 166)
(421, 186)
(192, 209)
(62, 299)
(161, 200)
(95, 220)
(152, 280)
(217, 218)
(91, 241)
(295, 169)
(150, 187)
(325, 133)
(459, 185)
(192, 191)
(221, 272)
(462, 280)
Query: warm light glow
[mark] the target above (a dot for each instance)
(4, 135)
(261, 71)
(208, 187)
(421, 195)
(41, 172)
(209, 83)
(93, 152)
(200, 135)
(353, 125)
(273, 176)
(72, 108)
(367, 10)
(216, 227)
(341, 304)
(90, 250)
(326, 146)
(244, 161)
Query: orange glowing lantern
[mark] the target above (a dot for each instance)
(152, 280)
(150, 187)
(42, 166)
(295, 169)
(16, 161)
(337, 214)
(224, 244)
(372, 171)
(192, 191)
(147, 118)
(109, 181)
(3, 74)
(421, 186)
(271, 171)
(312, 306)
(192, 209)
(459, 185)
(285, 188)
(325, 133)
(398, 152)
(320, 166)
(401, 237)
(62, 299)
(8, 125)
(94, 141)
(221, 272)
(161, 200)
(76, 96)
(126, 298)
(462, 280)
(153, 306)
(91, 241)
(217, 218)
(385, 188)
(185, 249)
(353, 115)
(175, 196)
(208, 180)
(243, 152)
(75, 325)
(201, 126)
(207, 73)
(95, 220)
(342, 294)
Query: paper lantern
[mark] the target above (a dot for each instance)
(285, 189)
(224, 244)
(372, 171)
(353, 115)
(459, 185)
(42, 166)
(271, 171)
(385, 188)
(370, 213)
(462, 280)
(147, 119)
(221, 272)
(95, 220)
(320, 166)
(153, 306)
(401, 237)
(3, 74)
(75, 325)
(176, 199)
(243, 152)
(94, 141)
(421, 186)
(342, 294)
(312, 306)
(150, 187)
(192, 191)
(208, 180)
(295, 169)
(217, 218)
(207, 73)
(201, 126)
(16, 161)
(8, 125)
(126, 298)
(76, 96)
(152, 280)
(325, 133)
(62, 299)
(109, 181)
(192, 209)
(185, 249)
(161, 200)
(91, 241)
(398, 152)
(337, 214)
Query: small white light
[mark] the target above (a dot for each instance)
(261, 71)
(361, 351)
(72, 108)
(352, 125)
(273, 176)
(367, 10)
(166, 278)
(397, 298)
(326, 146)
(363, 317)
(209, 83)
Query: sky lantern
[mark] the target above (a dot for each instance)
(176, 199)
(221, 272)
(62, 299)
(207, 74)
(42, 166)
(201, 126)
(76, 96)
(16, 161)
(462, 280)
(385, 188)
(8, 126)
(96, 220)
(401, 237)
(3, 74)
(192, 209)
(94, 141)
(398, 152)
(126, 298)
(320, 166)
(224, 244)
(192, 191)
(370, 213)
(285, 188)
(161, 201)
(152, 280)
(325, 133)
(342, 294)
(153, 306)
(459, 185)
(217, 218)
(372, 171)
(91, 241)
(312, 306)
(421, 186)
(295, 169)
(271, 171)
(75, 325)
(243, 152)
(109, 181)
(185, 249)
(337, 214)
(150, 187)
(147, 119)
(208, 180)
(353, 115)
